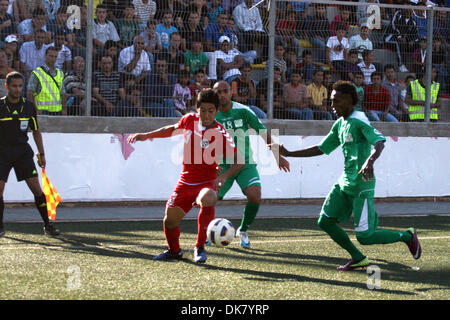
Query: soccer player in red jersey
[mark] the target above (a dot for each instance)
(205, 142)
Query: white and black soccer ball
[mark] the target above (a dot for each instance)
(220, 232)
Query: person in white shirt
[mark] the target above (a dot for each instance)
(361, 41)
(32, 53)
(144, 11)
(64, 59)
(134, 60)
(228, 61)
(102, 29)
(337, 50)
(249, 25)
(366, 66)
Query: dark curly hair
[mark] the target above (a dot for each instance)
(346, 87)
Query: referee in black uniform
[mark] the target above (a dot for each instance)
(17, 115)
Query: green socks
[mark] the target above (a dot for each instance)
(384, 236)
(381, 236)
(250, 211)
(339, 236)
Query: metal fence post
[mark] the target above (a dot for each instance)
(429, 62)
(89, 54)
(270, 62)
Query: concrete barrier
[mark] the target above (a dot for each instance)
(285, 127)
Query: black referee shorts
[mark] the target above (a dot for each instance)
(20, 158)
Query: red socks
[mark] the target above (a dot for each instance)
(205, 216)
(173, 238)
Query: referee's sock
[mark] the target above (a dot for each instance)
(2, 208)
(41, 205)
(205, 216)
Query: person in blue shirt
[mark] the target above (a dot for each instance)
(214, 31)
(165, 29)
(214, 9)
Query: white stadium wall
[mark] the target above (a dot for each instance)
(102, 167)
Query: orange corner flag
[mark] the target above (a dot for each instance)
(51, 195)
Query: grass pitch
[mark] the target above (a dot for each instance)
(291, 259)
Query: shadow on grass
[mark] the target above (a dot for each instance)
(255, 275)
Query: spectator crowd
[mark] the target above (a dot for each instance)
(151, 58)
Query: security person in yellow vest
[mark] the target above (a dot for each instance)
(17, 116)
(415, 98)
(45, 87)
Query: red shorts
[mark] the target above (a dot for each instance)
(184, 195)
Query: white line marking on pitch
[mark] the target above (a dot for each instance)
(12, 246)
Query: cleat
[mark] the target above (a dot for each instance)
(169, 255)
(243, 236)
(207, 243)
(353, 264)
(199, 254)
(2, 232)
(50, 230)
(414, 244)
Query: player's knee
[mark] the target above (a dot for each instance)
(254, 196)
(207, 197)
(171, 222)
(173, 217)
(324, 222)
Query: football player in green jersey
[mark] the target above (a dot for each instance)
(354, 191)
(237, 120)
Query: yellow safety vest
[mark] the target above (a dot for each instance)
(418, 93)
(49, 99)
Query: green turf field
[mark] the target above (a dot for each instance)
(290, 259)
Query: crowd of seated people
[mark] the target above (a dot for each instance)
(151, 58)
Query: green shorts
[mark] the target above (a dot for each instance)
(245, 178)
(340, 206)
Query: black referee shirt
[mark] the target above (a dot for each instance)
(15, 119)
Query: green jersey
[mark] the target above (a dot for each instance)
(237, 122)
(356, 136)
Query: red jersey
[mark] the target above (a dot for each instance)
(203, 149)
(376, 101)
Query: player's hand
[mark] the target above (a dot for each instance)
(137, 137)
(283, 164)
(218, 183)
(41, 161)
(367, 170)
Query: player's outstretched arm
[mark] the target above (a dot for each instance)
(308, 152)
(367, 168)
(164, 132)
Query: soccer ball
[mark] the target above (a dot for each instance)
(220, 232)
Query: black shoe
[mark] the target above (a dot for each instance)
(50, 230)
(169, 255)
